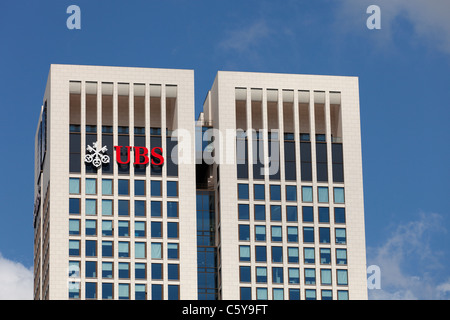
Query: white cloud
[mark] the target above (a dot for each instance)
(16, 281)
(411, 267)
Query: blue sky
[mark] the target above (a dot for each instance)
(404, 72)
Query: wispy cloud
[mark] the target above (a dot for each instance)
(411, 266)
(16, 281)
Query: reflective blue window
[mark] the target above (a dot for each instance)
(275, 213)
(172, 230)
(156, 188)
(91, 248)
(277, 275)
(246, 293)
(308, 234)
(324, 235)
(173, 271)
(242, 191)
(156, 229)
(139, 208)
(172, 188)
(339, 215)
(291, 193)
(308, 214)
(324, 214)
(74, 206)
(277, 254)
(243, 212)
(173, 292)
(91, 269)
(156, 208)
(260, 212)
(124, 208)
(91, 290)
(157, 292)
(244, 232)
(260, 253)
(107, 291)
(275, 193)
(291, 213)
(123, 187)
(156, 271)
(325, 256)
(244, 274)
(259, 192)
(139, 187)
(172, 209)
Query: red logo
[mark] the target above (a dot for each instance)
(141, 155)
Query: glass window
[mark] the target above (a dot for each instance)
(259, 192)
(275, 193)
(339, 215)
(124, 208)
(294, 294)
(244, 253)
(74, 247)
(244, 232)
(308, 214)
(291, 213)
(307, 194)
(261, 274)
(340, 236)
(157, 292)
(107, 187)
(139, 208)
(107, 291)
(276, 234)
(292, 234)
(327, 295)
(74, 185)
(91, 227)
(172, 209)
(342, 295)
(324, 214)
(156, 229)
(172, 230)
(278, 294)
(242, 191)
(91, 207)
(139, 187)
(107, 228)
(156, 250)
(294, 275)
(309, 256)
(323, 194)
(243, 211)
(260, 254)
(277, 254)
(245, 293)
(173, 292)
(107, 207)
(172, 251)
(91, 269)
(74, 290)
(172, 188)
(325, 277)
(91, 248)
(172, 271)
(140, 271)
(157, 271)
(107, 249)
(74, 227)
(124, 249)
(325, 256)
(124, 291)
(275, 213)
(139, 229)
(291, 193)
(324, 235)
(339, 195)
(244, 274)
(124, 228)
(91, 186)
(277, 275)
(140, 292)
(308, 234)
(260, 233)
(260, 212)
(261, 293)
(123, 187)
(74, 206)
(124, 270)
(107, 270)
(310, 276)
(293, 255)
(342, 277)
(156, 188)
(156, 208)
(341, 256)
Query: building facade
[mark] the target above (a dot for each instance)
(134, 199)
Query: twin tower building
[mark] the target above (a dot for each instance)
(258, 197)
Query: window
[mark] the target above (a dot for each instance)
(244, 253)
(261, 274)
(325, 256)
(260, 254)
(74, 290)
(123, 187)
(124, 228)
(91, 186)
(309, 256)
(140, 250)
(260, 233)
(324, 215)
(340, 236)
(91, 248)
(173, 292)
(339, 215)
(139, 187)
(91, 207)
(139, 229)
(307, 194)
(294, 275)
(140, 271)
(156, 188)
(245, 293)
(323, 194)
(342, 295)
(242, 191)
(278, 294)
(275, 213)
(293, 255)
(124, 249)
(91, 269)
(310, 276)
(74, 227)
(107, 249)
(294, 294)
(139, 208)
(292, 234)
(74, 185)
(259, 192)
(342, 277)
(276, 234)
(107, 270)
(124, 291)
(107, 187)
(107, 228)
(156, 250)
(339, 195)
(275, 193)
(157, 273)
(291, 213)
(291, 193)
(172, 251)
(244, 274)
(124, 270)
(324, 235)
(124, 207)
(157, 293)
(156, 229)
(244, 232)
(277, 254)
(172, 271)
(308, 234)
(155, 207)
(260, 212)
(172, 188)
(261, 293)
(172, 230)
(308, 214)
(243, 211)
(91, 227)
(74, 269)
(140, 292)
(325, 277)
(172, 209)
(327, 295)
(107, 207)
(74, 206)
(107, 291)
(74, 248)
(341, 256)
(277, 275)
